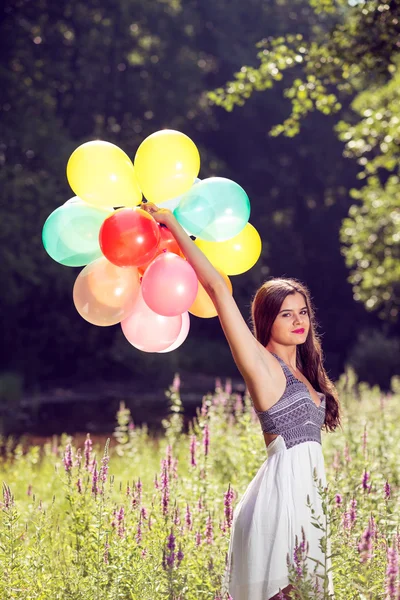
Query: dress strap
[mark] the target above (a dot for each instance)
(284, 366)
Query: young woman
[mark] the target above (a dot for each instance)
(293, 398)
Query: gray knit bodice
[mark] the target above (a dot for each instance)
(295, 416)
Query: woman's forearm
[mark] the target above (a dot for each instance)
(205, 271)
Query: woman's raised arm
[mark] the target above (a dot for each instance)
(247, 352)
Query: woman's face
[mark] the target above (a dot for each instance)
(292, 324)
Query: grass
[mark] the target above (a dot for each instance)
(149, 518)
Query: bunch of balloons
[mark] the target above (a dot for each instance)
(134, 271)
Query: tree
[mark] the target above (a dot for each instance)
(120, 70)
(348, 66)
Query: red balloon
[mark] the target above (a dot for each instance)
(167, 242)
(129, 237)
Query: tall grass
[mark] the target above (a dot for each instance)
(149, 518)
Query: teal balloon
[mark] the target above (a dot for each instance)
(71, 233)
(173, 203)
(215, 209)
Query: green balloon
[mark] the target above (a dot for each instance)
(71, 233)
(215, 209)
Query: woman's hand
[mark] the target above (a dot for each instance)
(161, 215)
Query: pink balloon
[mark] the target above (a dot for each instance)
(148, 331)
(169, 285)
(182, 335)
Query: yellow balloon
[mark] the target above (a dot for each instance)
(166, 165)
(203, 306)
(234, 256)
(102, 174)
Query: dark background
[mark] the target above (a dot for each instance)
(119, 70)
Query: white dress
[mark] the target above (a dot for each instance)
(274, 509)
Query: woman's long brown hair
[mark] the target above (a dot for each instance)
(265, 308)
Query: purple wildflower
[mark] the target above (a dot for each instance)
(93, 464)
(392, 571)
(29, 490)
(139, 531)
(346, 521)
(209, 530)
(365, 545)
(228, 387)
(188, 518)
(180, 555)
(228, 497)
(7, 497)
(387, 490)
(114, 519)
(164, 488)
(87, 451)
(177, 517)
(346, 453)
(200, 504)
(78, 458)
(79, 485)
(193, 443)
(175, 468)
(171, 545)
(104, 468)
(121, 521)
(68, 458)
(372, 526)
(303, 545)
(336, 460)
(206, 439)
(365, 479)
(198, 538)
(297, 555)
(353, 510)
(238, 404)
(139, 489)
(338, 499)
(169, 456)
(95, 480)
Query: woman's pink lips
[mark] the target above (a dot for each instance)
(299, 331)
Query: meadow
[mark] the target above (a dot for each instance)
(149, 517)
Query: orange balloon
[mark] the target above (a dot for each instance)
(112, 285)
(105, 294)
(203, 306)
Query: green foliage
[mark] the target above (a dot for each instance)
(371, 245)
(371, 233)
(353, 52)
